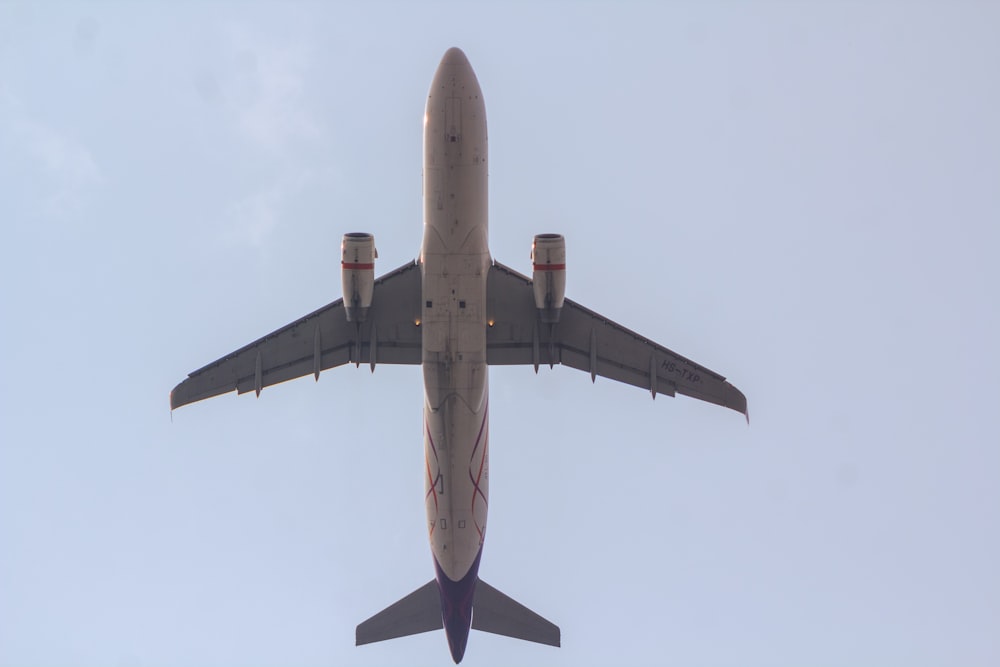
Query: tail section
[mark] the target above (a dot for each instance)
(456, 606)
(423, 610)
(420, 611)
(492, 611)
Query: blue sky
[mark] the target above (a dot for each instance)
(803, 197)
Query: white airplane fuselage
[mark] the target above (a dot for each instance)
(455, 261)
(471, 312)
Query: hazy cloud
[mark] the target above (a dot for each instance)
(253, 217)
(261, 87)
(67, 166)
(264, 89)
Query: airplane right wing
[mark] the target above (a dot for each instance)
(587, 341)
(323, 339)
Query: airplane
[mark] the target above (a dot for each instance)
(456, 312)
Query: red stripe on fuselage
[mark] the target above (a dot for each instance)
(430, 477)
(430, 439)
(482, 461)
(432, 489)
(483, 438)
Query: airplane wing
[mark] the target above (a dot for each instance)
(590, 342)
(320, 340)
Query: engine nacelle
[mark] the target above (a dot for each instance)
(548, 276)
(357, 269)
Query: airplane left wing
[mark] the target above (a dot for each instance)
(587, 341)
(320, 340)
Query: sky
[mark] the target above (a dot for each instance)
(801, 196)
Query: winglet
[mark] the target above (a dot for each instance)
(175, 398)
(735, 400)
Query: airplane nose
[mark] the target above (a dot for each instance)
(454, 57)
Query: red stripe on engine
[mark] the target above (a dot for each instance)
(351, 265)
(550, 267)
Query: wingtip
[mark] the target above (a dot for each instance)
(736, 400)
(179, 396)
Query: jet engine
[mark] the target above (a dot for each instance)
(357, 267)
(548, 259)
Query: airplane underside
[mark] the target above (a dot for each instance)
(455, 311)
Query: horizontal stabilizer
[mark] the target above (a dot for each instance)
(492, 611)
(420, 611)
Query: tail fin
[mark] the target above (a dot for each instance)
(492, 611)
(420, 611)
